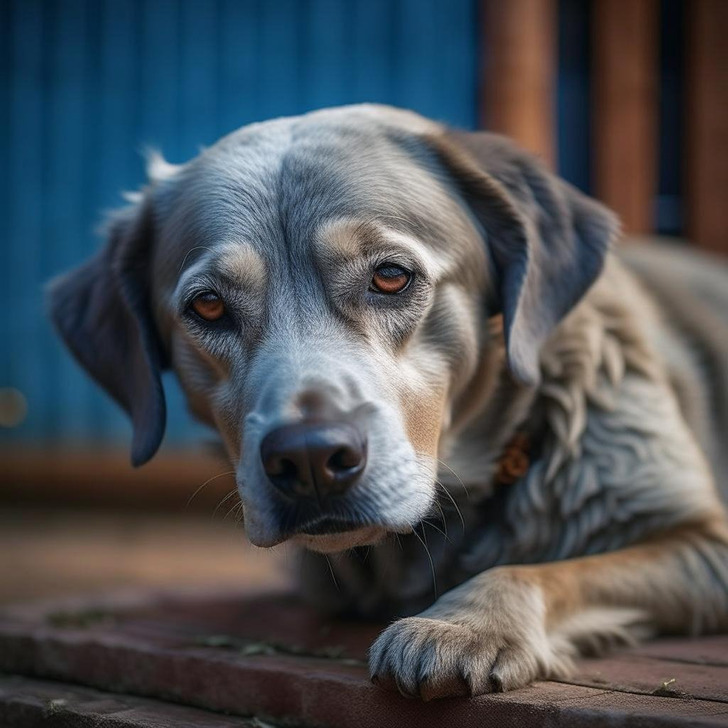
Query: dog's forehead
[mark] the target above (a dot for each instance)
(278, 181)
(292, 189)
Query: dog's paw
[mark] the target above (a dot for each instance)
(429, 658)
(447, 652)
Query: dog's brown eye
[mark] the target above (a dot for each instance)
(208, 306)
(390, 279)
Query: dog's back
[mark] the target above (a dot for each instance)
(691, 290)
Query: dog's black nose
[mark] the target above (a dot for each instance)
(313, 459)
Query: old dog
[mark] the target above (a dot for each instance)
(428, 367)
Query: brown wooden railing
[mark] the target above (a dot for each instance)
(519, 75)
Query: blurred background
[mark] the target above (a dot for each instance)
(624, 98)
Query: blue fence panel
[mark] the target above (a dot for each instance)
(86, 85)
(25, 340)
(573, 137)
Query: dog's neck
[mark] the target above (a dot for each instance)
(485, 416)
(399, 575)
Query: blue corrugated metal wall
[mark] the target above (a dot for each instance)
(86, 84)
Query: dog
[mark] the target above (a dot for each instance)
(432, 372)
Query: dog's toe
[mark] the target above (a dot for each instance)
(514, 667)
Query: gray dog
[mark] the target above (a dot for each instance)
(424, 362)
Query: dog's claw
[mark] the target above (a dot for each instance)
(496, 683)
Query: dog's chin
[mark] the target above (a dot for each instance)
(330, 543)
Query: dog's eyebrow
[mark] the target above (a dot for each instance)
(241, 264)
(347, 239)
(233, 265)
(344, 238)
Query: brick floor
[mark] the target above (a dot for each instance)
(267, 657)
(29, 703)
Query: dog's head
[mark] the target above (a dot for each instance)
(322, 285)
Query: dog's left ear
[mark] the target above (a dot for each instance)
(102, 311)
(547, 241)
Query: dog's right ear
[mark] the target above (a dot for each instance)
(102, 311)
(547, 241)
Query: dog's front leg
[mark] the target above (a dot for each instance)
(514, 624)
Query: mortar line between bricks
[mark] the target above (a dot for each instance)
(664, 658)
(626, 717)
(575, 709)
(598, 692)
(586, 699)
(623, 689)
(571, 700)
(684, 661)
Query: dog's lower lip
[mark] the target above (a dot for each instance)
(325, 526)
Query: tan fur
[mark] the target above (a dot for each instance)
(245, 265)
(423, 420)
(339, 239)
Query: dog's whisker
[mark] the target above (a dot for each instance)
(452, 500)
(331, 571)
(231, 510)
(437, 528)
(225, 499)
(429, 557)
(444, 464)
(459, 479)
(399, 541)
(207, 482)
(240, 516)
(442, 516)
(191, 250)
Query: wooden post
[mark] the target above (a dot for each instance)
(625, 109)
(707, 123)
(519, 69)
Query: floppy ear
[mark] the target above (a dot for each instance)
(547, 241)
(102, 312)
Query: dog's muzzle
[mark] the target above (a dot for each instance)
(311, 465)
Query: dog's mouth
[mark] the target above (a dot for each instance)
(328, 525)
(334, 541)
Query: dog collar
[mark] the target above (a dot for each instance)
(513, 464)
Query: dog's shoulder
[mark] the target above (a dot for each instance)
(612, 330)
(687, 292)
(617, 459)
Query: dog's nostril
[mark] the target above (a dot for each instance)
(345, 459)
(281, 468)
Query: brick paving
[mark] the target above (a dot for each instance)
(160, 658)
(29, 703)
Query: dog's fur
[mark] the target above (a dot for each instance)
(518, 319)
